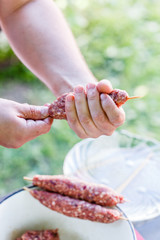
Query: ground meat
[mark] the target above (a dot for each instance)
(57, 108)
(76, 208)
(40, 235)
(119, 96)
(75, 188)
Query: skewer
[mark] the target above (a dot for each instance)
(123, 218)
(133, 97)
(134, 174)
(27, 189)
(28, 179)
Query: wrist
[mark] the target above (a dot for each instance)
(66, 83)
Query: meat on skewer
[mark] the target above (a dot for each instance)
(120, 97)
(57, 108)
(76, 208)
(76, 188)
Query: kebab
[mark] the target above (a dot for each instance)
(75, 188)
(57, 191)
(57, 108)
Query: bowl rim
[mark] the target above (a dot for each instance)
(122, 132)
(3, 199)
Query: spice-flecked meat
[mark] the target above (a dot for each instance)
(40, 235)
(75, 188)
(119, 96)
(57, 108)
(76, 208)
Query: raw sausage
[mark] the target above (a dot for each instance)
(40, 235)
(120, 97)
(57, 108)
(76, 208)
(75, 188)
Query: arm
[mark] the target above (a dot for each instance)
(41, 38)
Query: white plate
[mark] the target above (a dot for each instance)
(20, 212)
(126, 163)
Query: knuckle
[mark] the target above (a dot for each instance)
(72, 121)
(92, 95)
(68, 107)
(84, 120)
(34, 111)
(99, 117)
(78, 98)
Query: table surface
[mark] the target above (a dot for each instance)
(150, 230)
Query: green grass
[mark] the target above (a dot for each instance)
(120, 41)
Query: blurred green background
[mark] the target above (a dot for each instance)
(120, 41)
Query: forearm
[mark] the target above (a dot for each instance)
(41, 38)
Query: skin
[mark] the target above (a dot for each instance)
(21, 123)
(47, 47)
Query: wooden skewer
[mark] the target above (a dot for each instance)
(133, 97)
(123, 218)
(133, 175)
(27, 189)
(28, 179)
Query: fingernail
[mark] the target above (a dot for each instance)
(103, 96)
(48, 120)
(79, 89)
(44, 111)
(70, 98)
(91, 86)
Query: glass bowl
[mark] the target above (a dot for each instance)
(125, 162)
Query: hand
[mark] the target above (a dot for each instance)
(93, 113)
(20, 123)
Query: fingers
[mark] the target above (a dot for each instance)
(115, 115)
(78, 114)
(36, 128)
(104, 86)
(72, 117)
(23, 131)
(85, 114)
(91, 113)
(27, 111)
(99, 117)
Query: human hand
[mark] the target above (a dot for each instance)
(20, 123)
(91, 112)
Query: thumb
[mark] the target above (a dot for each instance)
(27, 111)
(36, 128)
(104, 86)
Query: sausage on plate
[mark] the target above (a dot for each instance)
(76, 208)
(76, 188)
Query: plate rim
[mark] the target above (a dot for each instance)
(32, 186)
